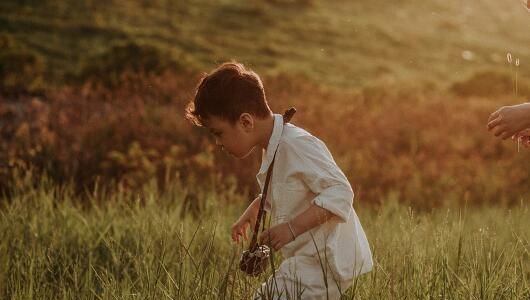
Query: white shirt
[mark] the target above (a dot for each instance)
(305, 173)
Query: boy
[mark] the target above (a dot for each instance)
(310, 199)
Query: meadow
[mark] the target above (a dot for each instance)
(151, 245)
(106, 192)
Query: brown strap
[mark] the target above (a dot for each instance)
(261, 213)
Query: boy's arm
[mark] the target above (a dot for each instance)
(252, 210)
(309, 219)
(311, 161)
(284, 233)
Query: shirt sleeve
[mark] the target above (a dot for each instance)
(317, 169)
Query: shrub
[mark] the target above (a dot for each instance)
(20, 70)
(490, 83)
(109, 67)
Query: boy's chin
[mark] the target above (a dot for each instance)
(243, 155)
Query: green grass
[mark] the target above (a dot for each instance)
(145, 246)
(345, 44)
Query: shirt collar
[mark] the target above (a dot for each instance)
(274, 140)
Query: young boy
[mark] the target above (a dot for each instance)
(309, 198)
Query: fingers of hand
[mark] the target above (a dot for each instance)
(236, 236)
(497, 131)
(238, 230)
(507, 133)
(277, 245)
(504, 135)
(503, 131)
(493, 116)
(234, 233)
(271, 240)
(265, 237)
(495, 122)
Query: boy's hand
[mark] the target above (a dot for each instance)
(239, 228)
(277, 236)
(248, 218)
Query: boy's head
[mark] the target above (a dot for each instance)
(228, 101)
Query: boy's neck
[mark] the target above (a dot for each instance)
(264, 128)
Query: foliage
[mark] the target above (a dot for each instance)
(426, 148)
(20, 70)
(108, 68)
(490, 84)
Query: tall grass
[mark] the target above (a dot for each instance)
(147, 245)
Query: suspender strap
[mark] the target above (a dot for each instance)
(261, 213)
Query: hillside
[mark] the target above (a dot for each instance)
(344, 44)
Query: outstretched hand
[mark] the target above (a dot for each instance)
(508, 121)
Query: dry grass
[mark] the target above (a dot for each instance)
(148, 246)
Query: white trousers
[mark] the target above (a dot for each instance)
(302, 277)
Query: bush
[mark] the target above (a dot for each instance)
(109, 67)
(416, 146)
(20, 70)
(490, 83)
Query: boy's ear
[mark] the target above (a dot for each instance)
(247, 121)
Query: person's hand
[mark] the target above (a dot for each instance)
(524, 136)
(277, 236)
(239, 228)
(507, 121)
(248, 218)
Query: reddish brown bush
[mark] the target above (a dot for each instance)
(391, 141)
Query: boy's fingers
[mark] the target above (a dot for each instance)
(265, 238)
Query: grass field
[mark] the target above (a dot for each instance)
(138, 204)
(149, 246)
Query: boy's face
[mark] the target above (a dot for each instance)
(236, 139)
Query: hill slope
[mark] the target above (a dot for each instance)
(337, 43)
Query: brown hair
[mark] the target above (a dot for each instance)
(227, 92)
